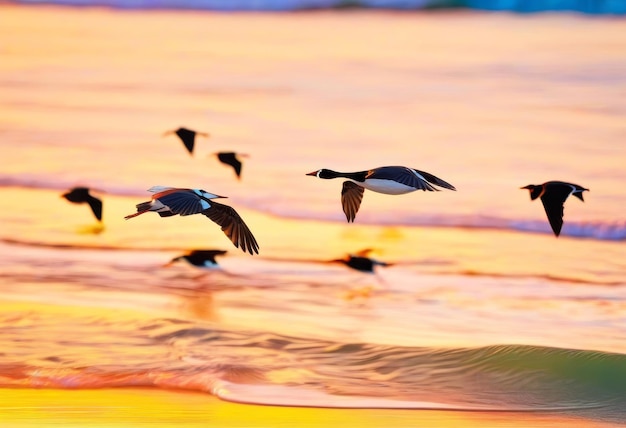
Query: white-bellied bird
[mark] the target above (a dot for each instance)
(390, 180)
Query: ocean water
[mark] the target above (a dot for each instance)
(594, 7)
(483, 308)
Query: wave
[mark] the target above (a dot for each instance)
(607, 230)
(549, 278)
(87, 246)
(616, 7)
(272, 369)
(434, 266)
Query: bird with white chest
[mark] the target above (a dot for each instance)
(390, 180)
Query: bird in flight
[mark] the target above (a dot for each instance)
(187, 136)
(390, 180)
(200, 258)
(170, 201)
(79, 195)
(361, 262)
(553, 195)
(231, 159)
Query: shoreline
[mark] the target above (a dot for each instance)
(139, 407)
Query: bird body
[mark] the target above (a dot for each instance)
(390, 180)
(79, 195)
(170, 201)
(200, 258)
(231, 159)
(361, 263)
(553, 195)
(187, 136)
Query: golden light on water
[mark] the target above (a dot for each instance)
(288, 88)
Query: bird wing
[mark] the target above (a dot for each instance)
(351, 197)
(233, 227)
(409, 176)
(206, 253)
(553, 199)
(182, 202)
(434, 180)
(96, 206)
(188, 138)
(230, 159)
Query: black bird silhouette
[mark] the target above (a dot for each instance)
(200, 258)
(553, 195)
(231, 159)
(187, 136)
(169, 201)
(79, 195)
(391, 180)
(361, 262)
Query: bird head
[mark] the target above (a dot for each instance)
(323, 173)
(535, 190)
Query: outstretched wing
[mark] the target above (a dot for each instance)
(233, 227)
(409, 176)
(435, 180)
(553, 199)
(96, 206)
(188, 137)
(351, 197)
(231, 160)
(207, 254)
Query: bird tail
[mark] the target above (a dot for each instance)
(143, 207)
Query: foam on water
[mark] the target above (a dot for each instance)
(472, 313)
(265, 368)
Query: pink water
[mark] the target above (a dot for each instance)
(487, 102)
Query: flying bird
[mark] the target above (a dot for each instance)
(200, 258)
(553, 195)
(361, 262)
(231, 159)
(187, 136)
(169, 201)
(391, 180)
(79, 195)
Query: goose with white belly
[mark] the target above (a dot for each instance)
(390, 180)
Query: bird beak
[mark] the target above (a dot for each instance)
(314, 173)
(167, 133)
